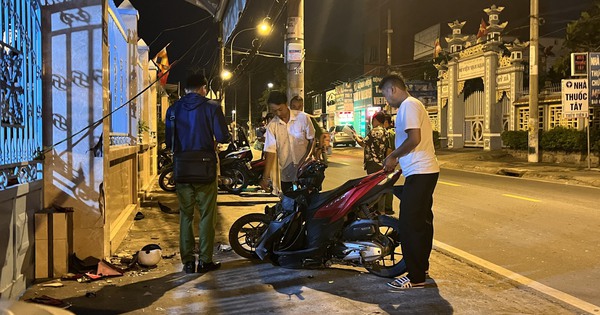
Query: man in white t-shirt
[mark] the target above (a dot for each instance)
(288, 139)
(416, 154)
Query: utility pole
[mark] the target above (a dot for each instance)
(294, 48)
(533, 125)
(389, 32)
(222, 67)
(250, 104)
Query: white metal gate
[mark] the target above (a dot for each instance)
(474, 111)
(20, 139)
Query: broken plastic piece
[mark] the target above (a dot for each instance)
(46, 300)
(107, 269)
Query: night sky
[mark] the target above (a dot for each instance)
(334, 32)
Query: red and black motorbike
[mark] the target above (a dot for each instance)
(312, 229)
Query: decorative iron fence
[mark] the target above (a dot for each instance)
(20, 92)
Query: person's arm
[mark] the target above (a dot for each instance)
(411, 142)
(360, 140)
(269, 163)
(270, 150)
(221, 129)
(310, 136)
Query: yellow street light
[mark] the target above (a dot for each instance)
(263, 29)
(226, 75)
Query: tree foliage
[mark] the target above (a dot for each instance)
(582, 35)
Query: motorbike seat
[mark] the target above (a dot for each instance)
(317, 200)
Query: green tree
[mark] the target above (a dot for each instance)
(581, 36)
(279, 81)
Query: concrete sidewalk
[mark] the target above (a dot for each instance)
(246, 287)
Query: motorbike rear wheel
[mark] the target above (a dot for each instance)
(245, 234)
(393, 264)
(166, 180)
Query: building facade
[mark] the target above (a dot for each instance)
(80, 135)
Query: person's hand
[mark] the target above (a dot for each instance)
(389, 164)
(264, 184)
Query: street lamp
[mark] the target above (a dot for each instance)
(263, 29)
(270, 85)
(226, 75)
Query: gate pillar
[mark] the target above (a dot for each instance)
(493, 111)
(456, 109)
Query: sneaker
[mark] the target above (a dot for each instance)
(206, 267)
(189, 267)
(403, 283)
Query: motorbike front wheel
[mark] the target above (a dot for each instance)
(166, 180)
(393, 264)
(245, 234)
(239, 180)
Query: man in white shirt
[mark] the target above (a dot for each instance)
(288, 139)
(416, 154)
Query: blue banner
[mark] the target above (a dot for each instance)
(594, 79)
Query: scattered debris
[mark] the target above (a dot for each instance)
(53, 285)
(166, 209)
(90, 294)
(107, 269)
(46, 300)
(77, 265)
(223, 248)
(169, 256)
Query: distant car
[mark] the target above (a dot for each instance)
(338, 136)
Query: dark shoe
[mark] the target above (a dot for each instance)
(189, 267)
(206, 267)
(389, 211)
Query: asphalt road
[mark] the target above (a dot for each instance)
(544, 231)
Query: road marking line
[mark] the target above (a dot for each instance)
(561, 296)
(449, 184)
(522, 198)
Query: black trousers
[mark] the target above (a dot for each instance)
(416, 223)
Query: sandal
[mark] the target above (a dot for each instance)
(404, 283)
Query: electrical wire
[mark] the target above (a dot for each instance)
(176, 28)
(42, 152)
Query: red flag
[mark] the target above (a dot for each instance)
(437, 48)
(162, 62)
(482, 29)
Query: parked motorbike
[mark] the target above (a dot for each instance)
(165, 157)
(236, 167)
(312, 229)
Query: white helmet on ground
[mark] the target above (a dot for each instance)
(149, 255)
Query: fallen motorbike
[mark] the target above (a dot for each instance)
(237, 172)
(312, 229)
